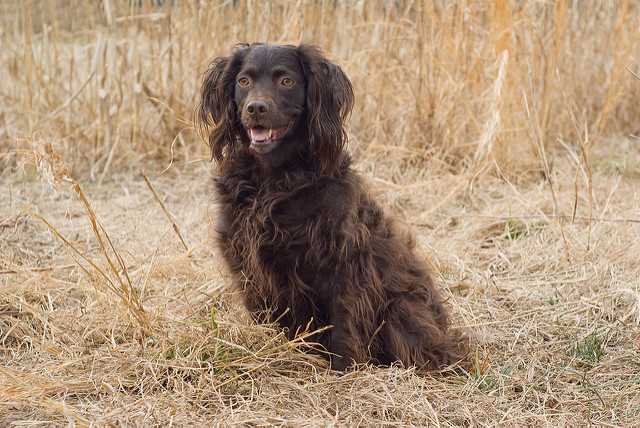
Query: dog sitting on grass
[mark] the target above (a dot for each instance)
(303, 239)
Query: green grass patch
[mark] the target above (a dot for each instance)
(590, 350)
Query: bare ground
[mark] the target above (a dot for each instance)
(551, 305)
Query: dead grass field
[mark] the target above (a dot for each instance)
(503, 133)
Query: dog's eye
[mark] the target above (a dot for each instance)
(287, 82)
(244, 82)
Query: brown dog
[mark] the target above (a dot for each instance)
(301, 235)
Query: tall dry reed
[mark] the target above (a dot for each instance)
(476, 86)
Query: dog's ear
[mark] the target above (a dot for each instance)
(217, 115)
(329, 102)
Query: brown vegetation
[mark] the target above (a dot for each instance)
(514, 158)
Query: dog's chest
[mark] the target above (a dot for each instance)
(258, 221)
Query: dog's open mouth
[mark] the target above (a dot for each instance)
(263, 140)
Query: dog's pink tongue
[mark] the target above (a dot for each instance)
(259, 134)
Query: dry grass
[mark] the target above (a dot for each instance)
(500, 131)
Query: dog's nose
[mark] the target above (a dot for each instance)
(257, 107)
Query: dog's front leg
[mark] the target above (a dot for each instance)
(345, 343)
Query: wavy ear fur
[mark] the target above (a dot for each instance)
(329, 102)
(217, 110)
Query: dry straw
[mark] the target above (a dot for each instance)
(502, 131)
(120, 80)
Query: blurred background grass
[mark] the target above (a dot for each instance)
(466, 86)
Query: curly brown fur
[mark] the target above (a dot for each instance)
(298, 230)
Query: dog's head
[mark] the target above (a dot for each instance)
(276, 101)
